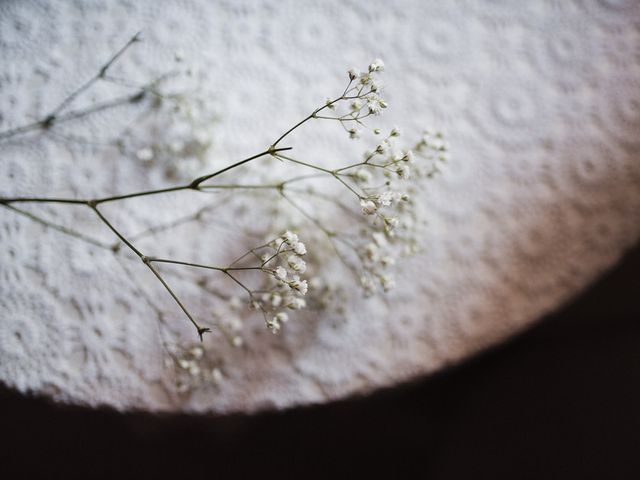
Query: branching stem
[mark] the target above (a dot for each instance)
(57, 115)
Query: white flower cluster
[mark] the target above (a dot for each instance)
(193, 369)
(182, 148)
(385, 181)
(389, 178)
(287, 287)
(364, 97)
(433, 149)
(177, 134)
(228, 322)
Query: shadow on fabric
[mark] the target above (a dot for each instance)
(559, 401)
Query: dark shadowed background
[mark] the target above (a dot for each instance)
(561, 400)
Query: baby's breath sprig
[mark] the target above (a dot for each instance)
(384, 209)
(63, 114)
(385, 184)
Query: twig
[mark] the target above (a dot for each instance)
(53, 117)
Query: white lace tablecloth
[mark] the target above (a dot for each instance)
(541, 102)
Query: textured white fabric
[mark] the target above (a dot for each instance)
(541, 102)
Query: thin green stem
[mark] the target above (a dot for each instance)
(201, 330)
(141, 194)
(73, 115)
(302, 177)
(300, 162)
(327, 198)
(242, 285)
(8, 200)
(188, 264)
(251, 251)
(271, 151)
(101, 73)
(347, 185)
(238, 186)
(278, 252)
(199, 265)
(54, 117)
(60, 228)
(117, 233)
(329, 234)
(314, 114)
(315, 167)
(194, 185)
(307, 215)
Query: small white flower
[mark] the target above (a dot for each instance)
(303, 287)
(396, 157)
(298, 285)
(216, 374)
(363, 175)
(376, 66)
(386, 198)
(300, 248)
(356, 105)
(374, 105)
(237, 341)
(371, 251)
(391, 222)
(197, 352)
(403, 171)
(276, 298)
(379, 238)
(353, 73)
(368, 207)
(235, 303)
(365, 78)
(367, 284)
(395, 132)
(274, 325)
(408, 156)
(387, 282)
(290, 238)
(296, 303)
(388, 261)
(376, 86)
(280, 273)
(145, 154)
(182, 387)
(438, 144)
(297, 264)
(234, 323)
(444, 157)
(281, 317)
(194, 370)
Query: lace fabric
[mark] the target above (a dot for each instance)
(541, 102)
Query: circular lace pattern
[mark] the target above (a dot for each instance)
(541, 102)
